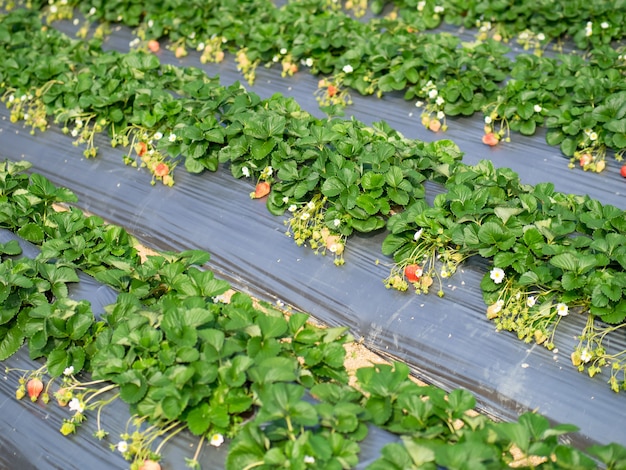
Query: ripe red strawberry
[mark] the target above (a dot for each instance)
(34, 388)
(622, 171)
(262, 189)
(413, 272)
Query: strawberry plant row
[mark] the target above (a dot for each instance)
(551, 252)
(580, 98)
(334, 177)
(166, 115)
(533, 23)
(184, 357)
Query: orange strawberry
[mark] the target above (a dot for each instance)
(154, 45)
(150, 465)
(490, 139)
(585, 159)
(161, 170)
(434, 125)
(262, 189)
(34, 387)
(141, 148)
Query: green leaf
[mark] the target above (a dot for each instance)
(278, 400)
(618, 126)
(394, 456)
(304, 414)
(273, 369)
(392, 243)
(332, 187)
(571, 281)
(234, 374)
(565, 261)
(613, 292)
(388, 83)
(32, 233)
(505, 213)
(272, 326)
(10, 342)
(199, 419)
(528, 127)
(615, 315)
(368, 225)
(421, 452)
(619, 141)
(394, 177)
(57, 361)
(11, 248)
(186, 354)
(371, 180)
(612, 455)
(191, 133)
(259, 348)
(554, 137)
(398, 196)
(141, 61)
(490, 233)
(247, 449)
(133, 386)
(193, 166)
(474, 455)
(178, 330)
(460, 401)
(296, 321)
(172, 407)
(516, 434)
(529, 278)
(379, 408)
(368, 203)
(568, 457)
(260, 149)
(568, 146)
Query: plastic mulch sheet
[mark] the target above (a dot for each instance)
(446, 341)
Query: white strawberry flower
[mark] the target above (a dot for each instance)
(497, 275)
(122, 446)
(217, 440)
